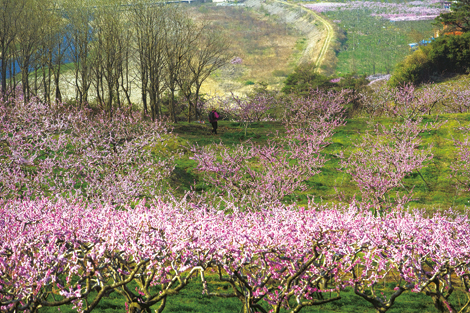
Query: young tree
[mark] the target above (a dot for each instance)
(382, 160)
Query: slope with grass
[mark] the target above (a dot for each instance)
(377, 33)
(268, 48)
(433, 190)
(319, 57)
(318, 31)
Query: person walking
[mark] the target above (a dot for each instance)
(213, 117)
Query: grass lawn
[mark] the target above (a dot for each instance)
(433, 189)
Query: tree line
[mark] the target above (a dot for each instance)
(116, 49)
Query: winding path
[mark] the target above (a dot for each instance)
(326, 24)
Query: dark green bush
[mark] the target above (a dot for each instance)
(449, 54)
(303, 79)
(416, 68)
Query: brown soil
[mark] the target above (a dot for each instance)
(266, 44)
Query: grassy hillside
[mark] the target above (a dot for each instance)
(268, 47)
(373, 40)
(433, 191)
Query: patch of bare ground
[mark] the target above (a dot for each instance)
(266, 44)
(317, 30)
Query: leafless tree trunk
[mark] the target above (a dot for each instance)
(149, 24)
(30, 32)
(180, 34)
(80, 35)
(10, 11)
(210, 51)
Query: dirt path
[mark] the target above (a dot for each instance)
(329, 31)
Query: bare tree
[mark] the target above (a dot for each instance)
(30, 31)
(106, 50)
(10, 11)
(52, 50)
(80, 34)
(180, 35)
(210, 51)
(149, 23)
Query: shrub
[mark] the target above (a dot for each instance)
(451, 54)
(414, 69)
(303, 79)
(447, 55)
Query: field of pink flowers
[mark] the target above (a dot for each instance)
(411, 11)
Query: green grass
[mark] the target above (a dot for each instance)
(437, 190)
(191, 299)
(374, 45)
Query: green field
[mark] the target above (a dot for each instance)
(436, 191)
(374, 45)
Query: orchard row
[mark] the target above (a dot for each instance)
(58, 253)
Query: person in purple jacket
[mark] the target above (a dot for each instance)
(213, 117)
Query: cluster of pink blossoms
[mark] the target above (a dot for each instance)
(60, 151)
(70, 249)
(411, 11)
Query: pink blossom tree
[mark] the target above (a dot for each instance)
(57, 252)
(382, 159)
(405, 102)
(61, 151)
(247, 110)
(460, 170)
(418, 250)
(253, 175)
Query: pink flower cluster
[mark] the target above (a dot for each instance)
(407, 17)
(274, 255)
(63, 151)
(236, 60)
(411, 11)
